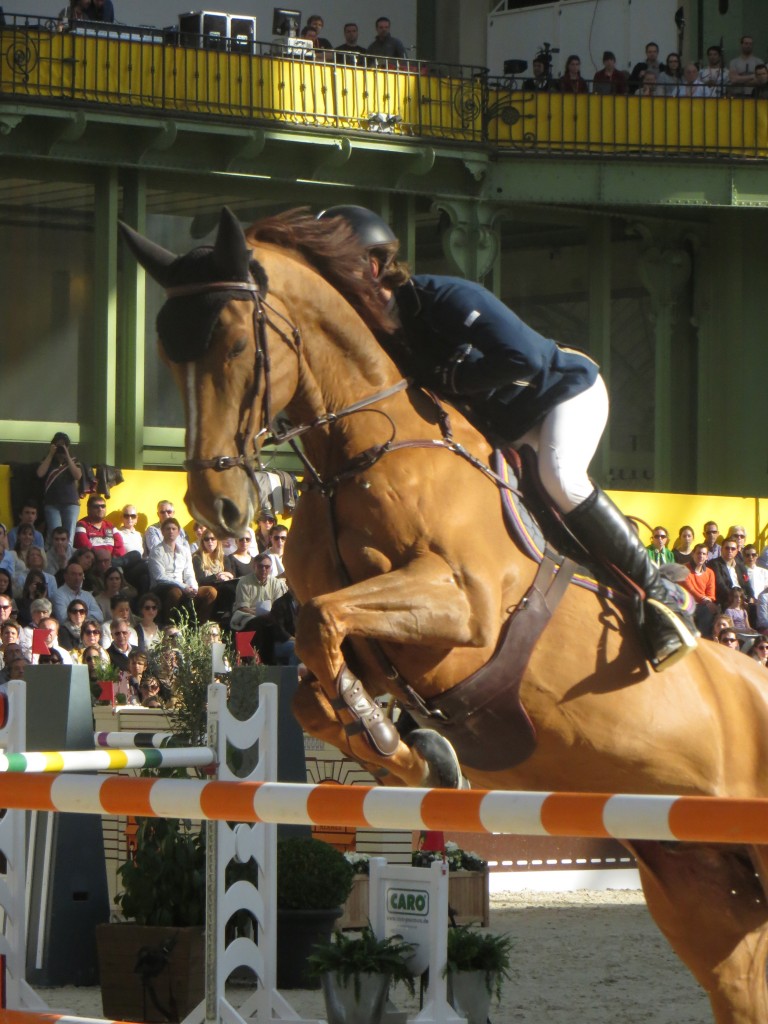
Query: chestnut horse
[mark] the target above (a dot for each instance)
(405, 556)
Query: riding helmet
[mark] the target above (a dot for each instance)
(369, 227)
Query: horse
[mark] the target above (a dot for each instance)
(406, 574)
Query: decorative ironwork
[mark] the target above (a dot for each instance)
(22, 55)
(507, 108)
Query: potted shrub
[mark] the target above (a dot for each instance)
(152, 966)
(477, 964)
(313, 881)
(356, 974)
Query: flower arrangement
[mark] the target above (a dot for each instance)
(456, 858)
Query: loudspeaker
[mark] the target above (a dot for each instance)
(211, 30)
(67, 873)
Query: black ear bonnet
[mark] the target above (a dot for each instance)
(185, 324)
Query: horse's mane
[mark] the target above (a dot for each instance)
(332, 249)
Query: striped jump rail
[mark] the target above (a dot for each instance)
(130, 740)
(591, 815)
(34, 761)
(37, 1017)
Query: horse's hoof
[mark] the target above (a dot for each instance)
(444, 767)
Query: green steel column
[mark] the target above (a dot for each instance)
(101, 428)
(664, 272)
(599, 262)
(471, 238)
(402, 217)
(131, 349)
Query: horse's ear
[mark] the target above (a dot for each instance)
(231, 253)
(151, 256)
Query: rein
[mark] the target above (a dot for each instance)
(358, 463)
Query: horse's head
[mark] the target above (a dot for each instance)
(213, 335)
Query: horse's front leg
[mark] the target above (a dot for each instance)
(421, 604)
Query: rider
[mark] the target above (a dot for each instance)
(518, 387)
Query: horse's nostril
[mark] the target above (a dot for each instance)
(229, 514)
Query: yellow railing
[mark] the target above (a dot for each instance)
(405, 97)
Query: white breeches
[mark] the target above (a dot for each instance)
(565, 441)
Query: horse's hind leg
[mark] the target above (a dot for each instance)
(710, 905)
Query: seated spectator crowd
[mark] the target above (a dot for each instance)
(113, 593)
(726, 577)
(745, 75)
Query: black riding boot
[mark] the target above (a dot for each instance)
(608, 536)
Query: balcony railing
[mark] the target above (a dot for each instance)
(165, 73)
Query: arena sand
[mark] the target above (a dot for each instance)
(584, 956)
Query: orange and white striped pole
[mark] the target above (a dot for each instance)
(599, 815)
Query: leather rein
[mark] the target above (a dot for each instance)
(290, 334)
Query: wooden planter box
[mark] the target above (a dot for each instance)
(467, 895)
(178, 986)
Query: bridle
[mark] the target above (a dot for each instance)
(265, 316)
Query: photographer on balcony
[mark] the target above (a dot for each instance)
(61, 475)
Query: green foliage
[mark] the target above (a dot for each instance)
(311, 875)
(470, 949)
(164, 884)
(456, 858)
(350, 957)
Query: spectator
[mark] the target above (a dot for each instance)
(728, 638)
(739, 534)
(658, 552)
(711, 533)
(737, 609)
(714, 77)
(71, 589)
(147, 629)
(154, 534)
(729, 574)
(385, 45)
(692, 87)
(316, 23)
(670, 81)
(120, 648)
(278, 536)
(198, 529)
(101, 10)
(10, 635)
(6, 558)
(542, 75)
(758, 576)
(35, 561)
(25, 541)
(27, 517)
(172, 577)
(351, 45)
(682, 549)
(651, 63)
(85, 559)
(132, 539)
(35, 587)
(149, 692)
(264, 524)
(240, 563)
(59, 552)
(211, 571)
(760, 90)
(700, 583)
(51, 626)
(609, 81)
(256, 594)
(119, 611)
(649, 85)
(39, 609)
(571, 80)
(759, 651)
(114, 583)
(741, 70)
(15, 667)
(70, 630)
(61, 476)
(90, 633)
(137, 667)
(94, 530)
(6, 592)
(94, 657)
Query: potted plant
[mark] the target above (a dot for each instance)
(356, 973)
(477, 964)
(313, 881)
(152, 966)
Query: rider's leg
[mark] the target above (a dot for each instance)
(566, 441)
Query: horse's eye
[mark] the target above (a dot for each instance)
(237, 348)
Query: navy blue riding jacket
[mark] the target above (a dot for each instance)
(465, 344)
